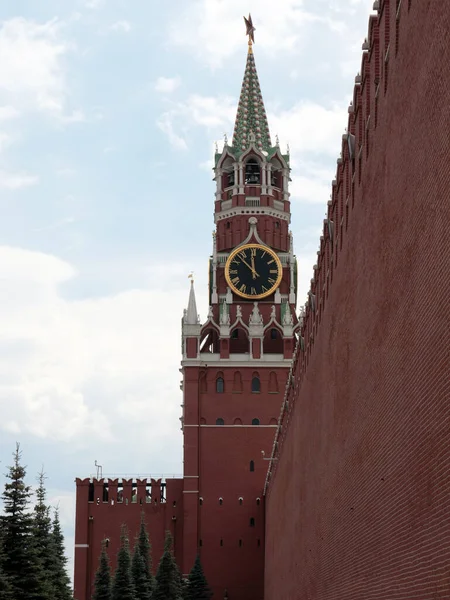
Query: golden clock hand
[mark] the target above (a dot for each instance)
(253, 267)
(247, 265)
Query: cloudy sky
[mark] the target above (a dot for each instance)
(109, 110)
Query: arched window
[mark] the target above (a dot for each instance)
(252, 172)
(252, 466)
(238, 421)
(220, 385)
(228, 224)
(220, 501)
(273, 334)
(256, 384)
(237, 382)
(252, 522)
(220, 421)
(273, 383)
(230, 178)
(239, 342)
(255, 421)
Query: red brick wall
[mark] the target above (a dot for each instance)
(98, 520)
(358, 503)
(231, 531)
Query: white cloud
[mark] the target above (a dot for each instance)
(121, 26)
(94, 4)
(16, 181)
(311, 128)
(31, 71)
(100, 369)
(213, 114)
(8, 112)
(209, 27)
(165, 123)
(167, 85)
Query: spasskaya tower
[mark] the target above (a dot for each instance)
(235, 363)
(235, 366)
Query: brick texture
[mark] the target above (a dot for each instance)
(358, 501)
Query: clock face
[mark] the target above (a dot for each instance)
(253, 271)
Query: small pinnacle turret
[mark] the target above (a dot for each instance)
(191, 315)
(251, 119)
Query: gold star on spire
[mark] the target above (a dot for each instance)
(250, 30)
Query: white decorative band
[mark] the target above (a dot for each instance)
(237, 426)
(81, 545)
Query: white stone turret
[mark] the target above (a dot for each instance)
(191, 326)
(191, 316)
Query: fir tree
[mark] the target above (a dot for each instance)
(5, 586)
(43, 542)
(102, 586)
(143, 590)
(60, 578)
(123, 588)
(21, 563)
(168, 578)
(197, 588)
(145, 550)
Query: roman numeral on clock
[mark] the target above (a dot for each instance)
(243, 288)
(252, 290)
(233, 271)
(270, 280)
(273, 271)
(235, 280)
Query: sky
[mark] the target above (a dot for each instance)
(109, 112)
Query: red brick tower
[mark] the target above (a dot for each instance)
(235, 365)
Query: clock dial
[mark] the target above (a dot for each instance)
(253, 271)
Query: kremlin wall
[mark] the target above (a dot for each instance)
(358, 492)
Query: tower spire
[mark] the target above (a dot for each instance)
(251, 118)
(191, 316)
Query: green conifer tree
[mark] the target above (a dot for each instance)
(60, 578)
(43, 542)
(197, 588)
(123, 588)
(145, 550)
(21, 563)
(102, 585)
(143, 590)
(5, 586)
(168, 579)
